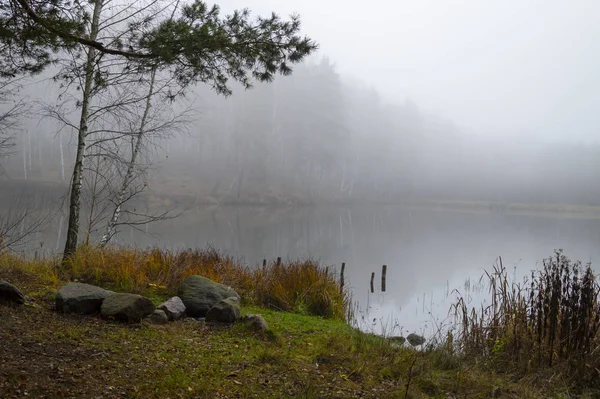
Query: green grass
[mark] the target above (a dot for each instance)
(303, 357)
(46, 354)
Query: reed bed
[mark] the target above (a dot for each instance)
(550, 320)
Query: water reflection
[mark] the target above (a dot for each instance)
(429, 253)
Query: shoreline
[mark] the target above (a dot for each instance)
(158, 200)
(48, 354)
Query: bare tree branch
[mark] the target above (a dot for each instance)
(11, 112)
(19, 224)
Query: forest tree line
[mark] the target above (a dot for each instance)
(315, 136)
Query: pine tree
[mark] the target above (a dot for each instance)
(197, 45)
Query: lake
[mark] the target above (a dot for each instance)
(429, 253)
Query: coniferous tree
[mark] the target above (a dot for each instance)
(195, 44)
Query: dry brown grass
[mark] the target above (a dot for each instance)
(548, 323)
(304, 286)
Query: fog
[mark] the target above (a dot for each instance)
(429, 136)
(316, 137)
(511, 67)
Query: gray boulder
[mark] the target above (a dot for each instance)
(80, 298)
(225, 311)
(10, 294)
(415, 340)
(173, 308)
(159, 317)
(127, 307)
(199, 294)
(255, 322)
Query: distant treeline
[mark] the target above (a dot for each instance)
(315, 136)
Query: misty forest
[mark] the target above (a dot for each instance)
(313, 213)
(314, 137)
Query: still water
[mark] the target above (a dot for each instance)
(428, 253)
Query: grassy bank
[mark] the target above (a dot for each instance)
(293, 286)
(310, 351)
(164, 199)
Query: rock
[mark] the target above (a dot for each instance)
(225, 311)
(174, 308)
(255, 322)
(159, 317)
(10, 294)
(415, 340)
(199, 294)
(127, 307)
(80, 298)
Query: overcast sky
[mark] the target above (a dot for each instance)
(513, 67)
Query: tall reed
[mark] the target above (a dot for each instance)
(551, 318)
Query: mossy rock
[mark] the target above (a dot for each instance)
(199, 294)
(127, 307)
(80, 298)
(225, 311)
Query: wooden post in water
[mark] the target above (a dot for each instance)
(372, 279)
(383, 273)
(264, 263)
(279, 261)
(342, 277)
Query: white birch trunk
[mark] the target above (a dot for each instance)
(76, 182)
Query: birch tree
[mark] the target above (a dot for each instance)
(196, 45)
(121, 197)
(76, 180)
(129, 174)
(116, 181)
